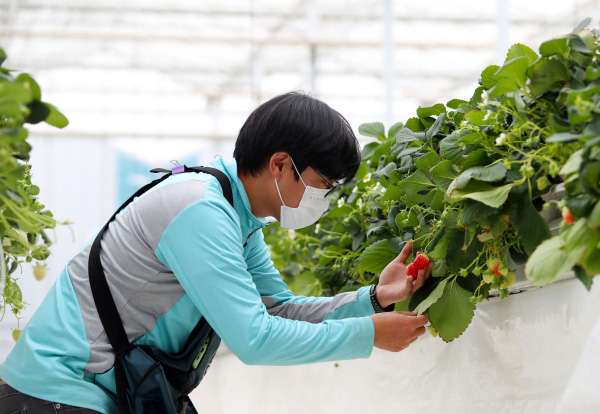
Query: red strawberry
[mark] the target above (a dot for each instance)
(421, 261)
(412, 271)
(567, 216)
(494, 264)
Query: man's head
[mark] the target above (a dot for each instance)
(311, 132)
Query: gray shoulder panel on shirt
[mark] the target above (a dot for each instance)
(142, 287)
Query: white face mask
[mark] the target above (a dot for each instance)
(313, 204)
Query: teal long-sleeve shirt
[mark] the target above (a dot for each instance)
(177, 253)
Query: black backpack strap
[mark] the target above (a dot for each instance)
(105, 304)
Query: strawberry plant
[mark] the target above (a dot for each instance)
(22, 217)
(466, 181)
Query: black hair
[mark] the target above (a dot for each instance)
(308, 129)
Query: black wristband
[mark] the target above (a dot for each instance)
(375, 303)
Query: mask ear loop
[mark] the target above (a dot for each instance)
(291, 159)
(279, 192)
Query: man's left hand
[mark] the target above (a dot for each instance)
(394, 284)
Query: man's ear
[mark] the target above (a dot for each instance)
(278, 163)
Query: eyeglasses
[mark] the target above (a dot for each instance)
(333, 187)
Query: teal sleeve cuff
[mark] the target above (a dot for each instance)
(367, 339)
(364, 301)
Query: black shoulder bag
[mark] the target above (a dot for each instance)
(149, 380)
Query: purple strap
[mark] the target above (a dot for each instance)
(178, 169)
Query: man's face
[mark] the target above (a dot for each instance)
(292, 190)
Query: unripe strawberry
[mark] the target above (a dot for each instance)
(39, 272)
(421, 261)
(567, 216)
(488, 276)
(412, 271)
(494, 265)
(16, 333)
(509, 280)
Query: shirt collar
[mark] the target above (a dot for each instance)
(229, 167)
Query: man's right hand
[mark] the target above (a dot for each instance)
(394, 331)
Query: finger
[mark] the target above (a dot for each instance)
(420, 320)
(413, 313)
(405, 253)
(422, 276)
(420, 331)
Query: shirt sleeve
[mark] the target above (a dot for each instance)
(280, 301)
(202, 246)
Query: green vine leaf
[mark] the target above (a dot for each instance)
(372, 129)
(548, 262)
(443, 174)
(452, 312)
(431, 299)
(377, 256)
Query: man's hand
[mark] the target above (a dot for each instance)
(394, 284)
(394, 331)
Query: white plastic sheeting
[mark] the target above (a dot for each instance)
(533, 352)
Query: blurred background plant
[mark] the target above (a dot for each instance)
(23, 218)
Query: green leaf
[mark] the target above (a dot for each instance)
(455, 103)
(475, 117)
(458, 257)
(435, 110)
(520, 50)
(482, 192)
(594, 217)
(439, 269)
(488, 76)
(532, 228)
(435, 127)
(545, 73)
(450, 151)
(431, 299)
(406, 135)
(372, 129)
(377, 256)
(393, 192)
(305, 284)
(437, 203)
(342, 211)
(414, 124)
(56, 118)
(554, 47)
(581, 274)
(39, 112)
(577, 44)
(418, 181)
(368, 151)
(427, 162)
(490, 173)
(396, 244)
(474, 210)
(576, 240)
(394, 129)
(443, 174)
(548, 262)
(2, 56)
(582, 24)
(29, 83)
(589, 176)
(564, 137)
(572, 164)
(504, 86)
(385, 171)
(477, 158)
(452, 312)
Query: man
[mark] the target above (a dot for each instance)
(181, 252)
